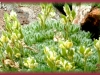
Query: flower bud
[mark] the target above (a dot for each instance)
(17, 55)
(13, 14)
(68, 44)
(4, 39)
(97, 45)
(14, 36)
(62, 46)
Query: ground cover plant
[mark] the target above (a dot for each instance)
(47, 45)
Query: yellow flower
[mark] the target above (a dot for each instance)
(13, 14)
(52, 56)
(13, 36)
(14, 25)
(31, 65)
(63, 21)
(46, 51)
(17, 55)
(19, 35)
(30, 62)
(25, 64)
(52, 14)
(4, 39)
(68, 44)
(68, 67)
(97, 45)
(57, 62)
(62, 46)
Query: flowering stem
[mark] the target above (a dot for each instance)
(85, 59)
(98, 57)
(66, 32)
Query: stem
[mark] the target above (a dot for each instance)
(66, 36)
(67, 31)
(98, 57)
(85, 59)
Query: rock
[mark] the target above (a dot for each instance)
(2, 23)
(81, 11)
(91, 23)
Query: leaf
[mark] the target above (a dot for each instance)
(22, 36)
(43, 5)
(87, 50)
(6, 17)
(71, 53)
(63, 52)
(41, 19)
(82, 49)
(8, 26)
(67, 9)
(16, 50)
(50, 64)
(9, 51)
(63, 16)
(73, 14)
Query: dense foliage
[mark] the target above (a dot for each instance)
(47, 45)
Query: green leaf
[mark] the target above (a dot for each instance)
(88, 50)
(16, 50)
(63, 52)
(67, 9)
(50, 64)
(6, 16)
(82, 49)
(63, 16)
(22, 36)
(70, 53)
(41, 19)
(4, 33)
(9, 51)
(73, 14)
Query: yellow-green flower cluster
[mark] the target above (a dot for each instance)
(70, 15)
(85, 51)
(30, 62)
(65, 64)
(56, 61)
(97, 44)
(50, 54)
(46, 12)
(66, 45)
(4, 39)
